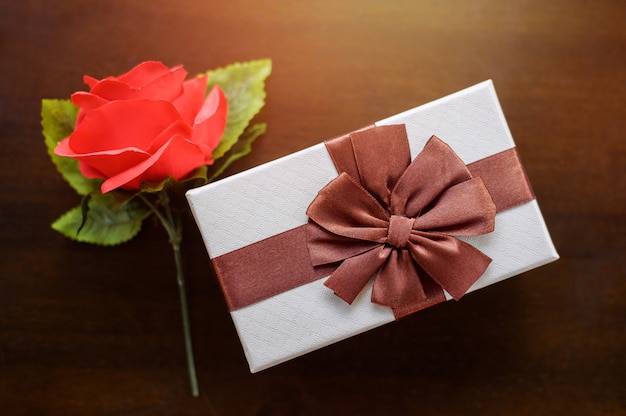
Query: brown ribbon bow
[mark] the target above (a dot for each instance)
(396, 219)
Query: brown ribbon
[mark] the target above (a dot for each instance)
(394, 219)
(408, 213)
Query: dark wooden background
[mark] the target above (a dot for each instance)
(86, 330)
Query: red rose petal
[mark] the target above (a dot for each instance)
(145, 72)
(190, 101)
(177, 158)
(105, 163)
(178, 128)
(87, 101)
(208, 133)
(90, 172)
(122, 125)
(215, 103)
(63, 148)
(166, 87)
(90, 81)
(112, 89)
(111, 164)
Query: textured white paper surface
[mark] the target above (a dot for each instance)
(272, 198)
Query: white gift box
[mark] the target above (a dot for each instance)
(271, 199)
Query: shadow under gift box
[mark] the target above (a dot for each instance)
(270, 201)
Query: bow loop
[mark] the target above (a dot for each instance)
(375, 158)
(394, 219)
(435, 169)
(333, 209)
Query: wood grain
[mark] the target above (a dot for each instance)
(87, 330)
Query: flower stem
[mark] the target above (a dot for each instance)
(173, 227)
(180, 277)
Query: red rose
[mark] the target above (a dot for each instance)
(145, 126)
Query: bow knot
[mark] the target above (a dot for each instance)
(400, 228)
(431, 199)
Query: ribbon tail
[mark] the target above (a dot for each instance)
(452, 263)
(434, 295)
(353, 274)
(398, 283)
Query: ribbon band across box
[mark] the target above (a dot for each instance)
(371, 226)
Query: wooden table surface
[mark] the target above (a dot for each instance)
(86, 330)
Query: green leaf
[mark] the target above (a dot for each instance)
(196, 178)
(242, 147)
(244, 87)
(106, 224)
(154, 187)
(58, 118)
